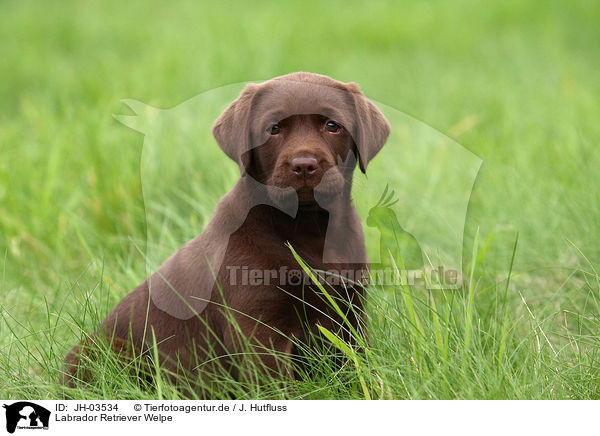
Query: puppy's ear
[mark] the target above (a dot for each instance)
(232, 128)
(371, 128)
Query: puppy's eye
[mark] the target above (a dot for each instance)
(275, 129)
(332, 126)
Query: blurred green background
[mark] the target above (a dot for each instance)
(515, 82)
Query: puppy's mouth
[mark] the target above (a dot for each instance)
(303, 185)
(315, 192)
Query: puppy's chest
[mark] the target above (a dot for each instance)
(271, 251)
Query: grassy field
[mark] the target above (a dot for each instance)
(514, 82)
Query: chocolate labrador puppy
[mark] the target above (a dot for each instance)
(237, 287)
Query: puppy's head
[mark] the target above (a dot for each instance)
(302, 131)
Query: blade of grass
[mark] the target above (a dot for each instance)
(350, 353)
(471, 294)
(503, 310)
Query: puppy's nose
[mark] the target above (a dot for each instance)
(304, 165)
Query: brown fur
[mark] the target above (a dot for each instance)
(187, 320)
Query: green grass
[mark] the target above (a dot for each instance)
(514, 82)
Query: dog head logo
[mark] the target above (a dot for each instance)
(26, 415)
